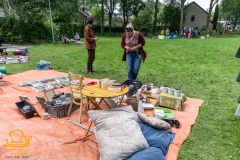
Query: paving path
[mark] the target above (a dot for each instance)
(12, 47)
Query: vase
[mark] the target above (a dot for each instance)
(170, 91)
(177, 92)
(164, 89)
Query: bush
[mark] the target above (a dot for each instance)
(144, 29)
(71, 28)
(25, 32)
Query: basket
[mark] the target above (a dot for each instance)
(134, 103)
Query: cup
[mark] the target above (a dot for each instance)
(46, 115)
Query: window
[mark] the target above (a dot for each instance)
(193, 18)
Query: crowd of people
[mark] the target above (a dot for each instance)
(64, 39)
(189, 32)
(186, 32)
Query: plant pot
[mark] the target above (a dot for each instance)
(164, 89)
(177, 92)
(170, 91)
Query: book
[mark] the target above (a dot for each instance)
(163, 113)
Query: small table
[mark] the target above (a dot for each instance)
(171, 101)
(96, 92)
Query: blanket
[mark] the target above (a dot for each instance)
(47, 138)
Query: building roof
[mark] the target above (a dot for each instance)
(196, 4)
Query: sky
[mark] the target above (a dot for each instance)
(203, 3)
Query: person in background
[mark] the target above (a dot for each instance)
(186, 33)
(1, 39)
(162, 32)
(77, 37)
(64, 38)
(132, 43)
(167, 33)
(90, 43)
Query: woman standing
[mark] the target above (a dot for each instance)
(132, 43)
(90, 43)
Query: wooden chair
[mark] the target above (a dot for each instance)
(76, 84)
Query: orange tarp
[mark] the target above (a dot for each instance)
(47, 137)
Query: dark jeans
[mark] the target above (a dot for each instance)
(91, 57)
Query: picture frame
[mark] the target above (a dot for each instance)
(49, 94)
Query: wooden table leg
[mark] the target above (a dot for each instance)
(121, 101)
(86, 135)
(106, 103)
(95, 104)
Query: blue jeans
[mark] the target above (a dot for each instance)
(133, 64)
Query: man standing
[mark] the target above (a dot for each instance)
(90, 43)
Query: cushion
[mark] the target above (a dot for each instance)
(154, 122)
(118, 132)
(157, 138)
(151, 153)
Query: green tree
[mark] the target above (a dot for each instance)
(182, 3)
(130, 8)
(145, 16)
(215, 17)
(230, 9)
(110, 5)
(97, 14)
(156, 10)
(170, 12)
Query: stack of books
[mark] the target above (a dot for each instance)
(116, 87)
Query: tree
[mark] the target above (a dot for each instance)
(215, 17)
(96, 14)
(102, 14)
(110, 6)
(144, 17)
(230, 9)
(182, 2)
(6, 7)
(170, 11)
(155, 16)
(211, 5)
(130, 8)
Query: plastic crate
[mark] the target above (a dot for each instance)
(59, 107)
(25, 102)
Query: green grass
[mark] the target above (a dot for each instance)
(205, 68)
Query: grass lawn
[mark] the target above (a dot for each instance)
(204, 68)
